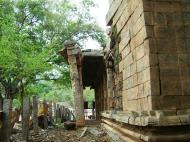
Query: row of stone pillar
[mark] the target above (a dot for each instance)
(6, 115)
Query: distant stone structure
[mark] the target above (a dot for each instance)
(142, 81)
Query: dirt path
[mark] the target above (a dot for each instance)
(92, 134)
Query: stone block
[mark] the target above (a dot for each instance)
(152, 121)
(185, 7)
(119, 12)
(122, 21)
(177, 6)
(155, 87)
(170, 102)
(169, 72)
(121, 67)
(151, 60)
(126, 73)
(133, 68)
(132, 94)
(150, 46)
(148, 6)
(144, 33)
(135, 10)
(186, 16)
(125, 84)
(141, 64)
(164, 32)
(187, 31)
(175, 19)
(185, 101)
(160, 19)
(179, 32)
(139, 52)
(187, 45)
(126, 51)
(182, 46)
(138, 25)
(168, 59)
(184, 119)
(135, 80)
(147, 88)
(143, 76)
(148, 18)
(140, 91)
(169, 87)
(185, 86)
(164, 45)
(154, 102)
(144, 104)
(112, 10)
(163, 7)
(128, 60)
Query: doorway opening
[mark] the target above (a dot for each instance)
(89, 104)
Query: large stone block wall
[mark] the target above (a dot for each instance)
(133, 46)
(153, 40)
(169, 46)
(150, 47)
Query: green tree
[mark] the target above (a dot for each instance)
(31, 34)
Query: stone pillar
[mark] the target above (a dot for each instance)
(35, 112)
(97, 103)
(7, 105)
(26, 118)
(54, 111)
(45, 114)
(57, 113)
(1, 104)
(109, 84)
(74, 57)
(50, 109)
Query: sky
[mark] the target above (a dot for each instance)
(99, 12)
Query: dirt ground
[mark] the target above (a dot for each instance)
(92, 134)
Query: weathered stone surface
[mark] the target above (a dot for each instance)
(26, 118)
(76, 80)
(34, 114)
(6, 133)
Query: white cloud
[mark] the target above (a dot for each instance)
(99, 12)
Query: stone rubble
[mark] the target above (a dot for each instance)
(62, 135)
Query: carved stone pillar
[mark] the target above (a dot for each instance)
(109, 71)
(74, 57)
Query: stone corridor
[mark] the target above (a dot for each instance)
(142, 77)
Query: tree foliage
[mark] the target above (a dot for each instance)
(31, 34)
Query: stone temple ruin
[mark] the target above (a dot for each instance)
(142, 78)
